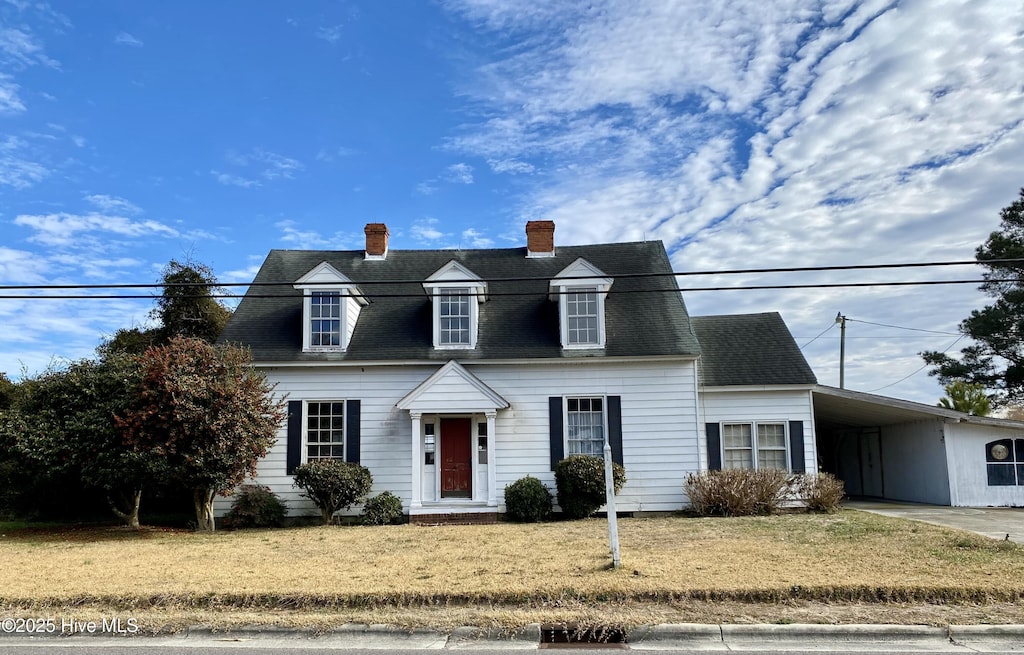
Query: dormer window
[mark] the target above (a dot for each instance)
(580, 291)
(455, 294)
(330, 308)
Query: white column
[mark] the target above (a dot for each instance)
(417, 461)
(492, 493)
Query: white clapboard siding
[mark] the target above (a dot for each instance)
(761, 405)
(968, 474)
(659, 423)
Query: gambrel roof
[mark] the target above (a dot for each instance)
(645, 316)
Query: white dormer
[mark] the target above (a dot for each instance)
(580, 289)
(455, 295)
(330, 308)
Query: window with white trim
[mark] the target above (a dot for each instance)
(585, 426)
(454, 317)
(330, 308)
(325, 430)
(325, 318)
(582, 315)
(455, 295)
(581, 290)
(760, 445)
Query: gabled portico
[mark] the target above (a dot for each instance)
(453, 416)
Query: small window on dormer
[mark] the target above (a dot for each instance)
(580, 290)
(325, 314)
(330, 308)
(582, 315)
(455, 293)
(454, 316)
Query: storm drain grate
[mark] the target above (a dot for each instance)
(569, 636)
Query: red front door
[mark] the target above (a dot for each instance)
(456, 458)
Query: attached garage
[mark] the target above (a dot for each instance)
(900, 450)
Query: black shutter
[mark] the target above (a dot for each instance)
(555, 426)
(615, 427)
(352, 420)
(796, 447)
(294, 446)
(714, 434)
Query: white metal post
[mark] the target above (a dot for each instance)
(609, 491)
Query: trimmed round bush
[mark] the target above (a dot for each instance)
(580, 482)
(383, 509)
(256, 507)
(527, 500)
(333, 485)
(821, 493)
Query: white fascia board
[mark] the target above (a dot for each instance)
(563, 361)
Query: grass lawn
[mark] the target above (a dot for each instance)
(847, 567)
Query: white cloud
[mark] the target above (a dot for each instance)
(750, 134)
(336, 153)
(16, 169)
(67, 229)
(107, 203)
(124, 38)
(20, 49)
(460, 173)
(227, 179)
(476, 239)
(301, 239)
(426, 188)
(513, 166)
(10, 101)
(425, 230)
(331, 34)
(20, 266)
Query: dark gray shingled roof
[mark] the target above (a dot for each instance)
(749, 349)
(644, 316)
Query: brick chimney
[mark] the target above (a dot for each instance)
(376, 240)
(540, 239)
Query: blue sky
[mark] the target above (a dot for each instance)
(742, 134)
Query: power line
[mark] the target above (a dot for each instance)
(830, 326)
(743, 271)
(904, 379)
(900, 327)
(610, 292)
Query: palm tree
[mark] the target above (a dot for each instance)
(966, 397)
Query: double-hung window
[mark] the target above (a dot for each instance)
(453, 316)
(760, 445)
(585, 423)
(325, 430)
(582, 315)
(455, 294)
(325, 319)
(330, 308)
(580, 290)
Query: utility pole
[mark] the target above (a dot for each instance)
(841, 321)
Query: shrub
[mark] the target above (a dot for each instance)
(821, 492)
(738, 492)
(383, 509)
(527, 500)
(580, 483)
(333, 485)
(256, 507)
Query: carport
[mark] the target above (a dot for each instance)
(900, 450)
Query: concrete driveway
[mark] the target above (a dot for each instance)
(994, 522)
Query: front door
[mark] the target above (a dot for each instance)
(456, 458)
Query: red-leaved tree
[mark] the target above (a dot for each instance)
(208, 412)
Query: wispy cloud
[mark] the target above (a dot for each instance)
(16, 167)
(109, 204)
(10, 101)
(426, 230)
(19, 48)
(260, 163)
(228, 179)
(336, 153)
(460, 173)
(770, 134)
(426, 188)
(67, 229)
(124, 38)
(295, 237)
(331, 34)
(476, 239)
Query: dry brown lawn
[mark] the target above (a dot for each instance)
(831, 568)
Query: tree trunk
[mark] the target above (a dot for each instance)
(203, 499)
(327, 516)
(130, 515)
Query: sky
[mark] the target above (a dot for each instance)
(744, 134)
